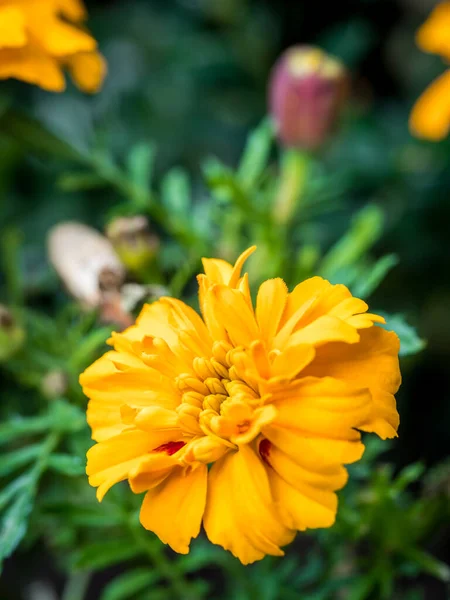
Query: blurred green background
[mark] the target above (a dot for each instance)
(190, 77)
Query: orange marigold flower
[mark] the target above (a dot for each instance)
(430, 117)
(271, 398)
(39, 38)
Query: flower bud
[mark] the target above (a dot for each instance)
(133, 242)
(307, 90)
(12, 334)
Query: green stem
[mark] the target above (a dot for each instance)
(41, 464)
(88, 347)
(183, 275)
(11, 241)
(76, 586)
(294, 172)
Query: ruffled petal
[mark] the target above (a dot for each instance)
(174, 509)
(303, 507)
(324, 407)
(315, 453)
(111, 461)
(373, 364)
(110, 388)
(240, 514)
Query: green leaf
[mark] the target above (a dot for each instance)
(256, 154)
(408, 475)
(67, 464)
(362, 587)
(13, 525)
(19, 427)
(349, 41)
(67, 418)
(366, 228)
(428, 564)
(99, 555)
(366, 284)
(86, 515)
(199, 557)
(13, 488)
(410, 342)
(11, 461)
(74, 182)
(221, 180)
(226, 187)
(129, 584)
(305, 262)
(140, 164)
(88, 348)
(176, 193)
(31, 134)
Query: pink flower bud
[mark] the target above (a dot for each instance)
(307, 90)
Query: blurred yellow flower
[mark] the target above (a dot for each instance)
(39, 38)
(430, 117)
(270, 398)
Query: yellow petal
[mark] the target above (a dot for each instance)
(372, 363)
(434, 35)
(430, 116)
(205, 449)
(55, 36)
(109, 389)
(270, 304)
(315, 453)
(74, 10)
(312, 288)
(110, 461)
(330, 300)
(325, 407)
(236, 316)
(312, 301)
(324, 330)
(88, 70)
(240, 514)
(207, 306)
(156, 319)
(347, 308)
(152, 470)
(188, 320)
(236, 273)
(156, 418)
(32, 65)
(220, 272)
(292, 361)
(217, 270)
(12, 27)
(303, 510)
(174, 509)
(333, 478)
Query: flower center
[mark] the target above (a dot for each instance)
(222, 401)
